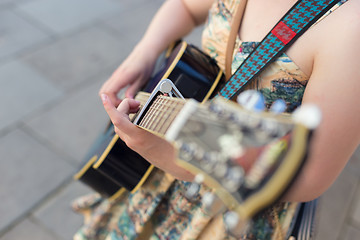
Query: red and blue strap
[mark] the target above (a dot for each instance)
(292, 25)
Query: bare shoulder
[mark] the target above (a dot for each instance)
(343, 25)
(337, 38)
(348, 17)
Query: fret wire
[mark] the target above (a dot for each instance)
(172, 114)
(169, 112)
(144, 120)
(150, 114)
(170, 118)
(158, 109)
(153, 115)
(162, 119)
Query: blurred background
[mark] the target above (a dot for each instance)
(54, 56)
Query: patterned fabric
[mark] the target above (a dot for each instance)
(300, 16)
(159, 210)
(282, 79)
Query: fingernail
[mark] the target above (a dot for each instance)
(104, 97)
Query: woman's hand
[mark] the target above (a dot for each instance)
(153, 148)
(133, 72)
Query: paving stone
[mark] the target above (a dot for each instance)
(133, 23)
(57, 214)
(5, 2)
(351, 233)
(354, 162)
(355, 213)
(334, 206)
(23, 90)
(11, 2)
(67, 15)
(29, 172)
(74, 59)
(16, 34)
(29, 230)
(73, 125)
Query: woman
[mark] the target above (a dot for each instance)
(322, 66)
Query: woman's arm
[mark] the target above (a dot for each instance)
(174, 20)
(334, 86)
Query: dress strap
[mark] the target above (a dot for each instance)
(235, 24)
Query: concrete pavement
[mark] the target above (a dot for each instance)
(54, 56)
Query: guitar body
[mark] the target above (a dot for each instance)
(111, 167)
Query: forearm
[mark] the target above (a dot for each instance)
(174, 20)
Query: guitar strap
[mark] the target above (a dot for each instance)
(291, 26)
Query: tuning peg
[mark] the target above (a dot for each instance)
(208, 161)
(220, 170)
(216, 108)
(278, 106)
(235, 225)
(199, 178)
(192, 191)
(271, 129)
(231, 220)
(211, 203)
(234, 178)
(308, 115)
(186, 150)
(230, 145)
(252, 100)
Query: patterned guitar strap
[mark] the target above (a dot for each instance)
(291, 26)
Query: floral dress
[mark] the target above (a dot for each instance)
(160, 208)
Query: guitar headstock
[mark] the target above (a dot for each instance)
(248, 158)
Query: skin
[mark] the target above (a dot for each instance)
(328, 53)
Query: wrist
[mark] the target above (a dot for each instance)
(152, 49)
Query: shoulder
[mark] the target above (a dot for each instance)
(342, 24)
(338, 35)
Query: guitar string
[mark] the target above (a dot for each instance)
(161, 118)
(159, 108)
(148, 115)
(160, 111)
(153, 113)
(170, 110)
(170, 117)
(145, 121)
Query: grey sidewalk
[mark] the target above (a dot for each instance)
(54, 56)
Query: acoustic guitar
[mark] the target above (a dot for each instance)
(212, 140)
(111, 167)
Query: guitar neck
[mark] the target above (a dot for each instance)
(161, 114)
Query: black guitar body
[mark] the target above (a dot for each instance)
(191, 70)
(195, 75)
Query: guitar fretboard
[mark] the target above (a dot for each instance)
(161, 113)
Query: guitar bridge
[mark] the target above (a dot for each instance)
(164, 87)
